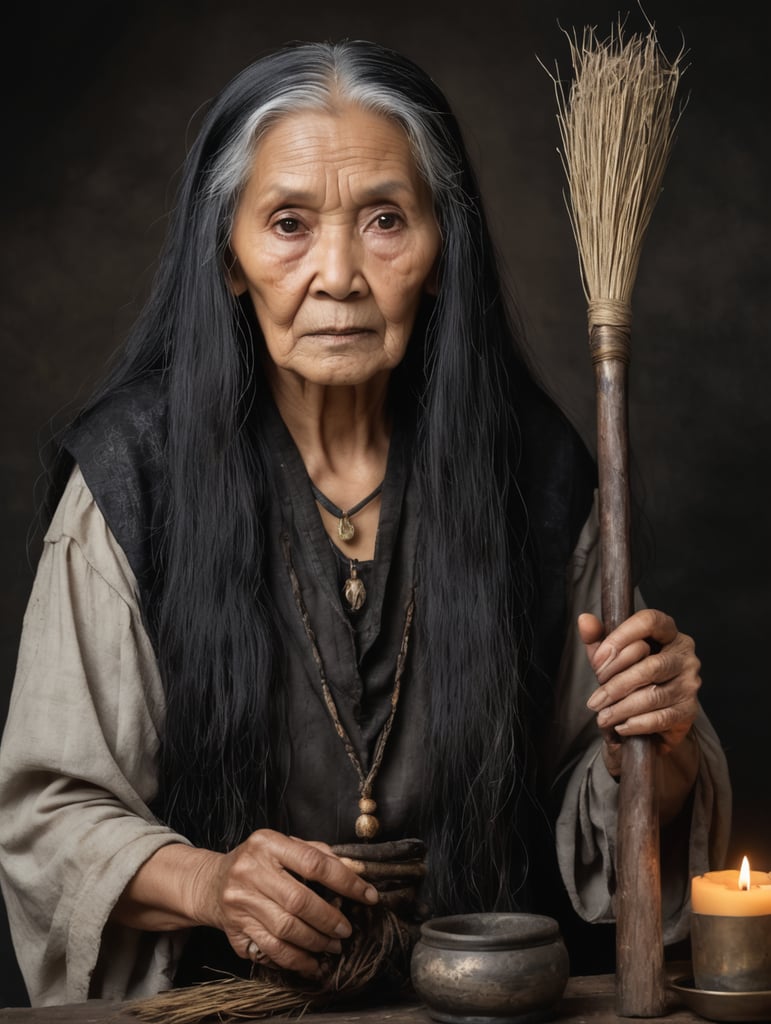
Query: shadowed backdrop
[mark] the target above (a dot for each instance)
(98, 110)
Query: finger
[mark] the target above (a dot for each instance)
(316, 862)
(268, 951)
(676, 665)
(624, 659)
(284, 869)
(652, 709)
(281, 938)
(290, 911)
(631, 671)
(646, 623)
(288, 922)
(590, 629)
(257, 955)
(261, 901)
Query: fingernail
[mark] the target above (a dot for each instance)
(371, 894)
(343, 930)
(597, 700)
(603, 718)
(334, 946)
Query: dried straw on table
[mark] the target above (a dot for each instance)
(272, 993)
(617, 124)
(226, 1000)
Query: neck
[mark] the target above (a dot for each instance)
(342, 434)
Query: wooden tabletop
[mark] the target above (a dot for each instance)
(587, 1000)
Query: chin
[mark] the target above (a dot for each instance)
(348, 375)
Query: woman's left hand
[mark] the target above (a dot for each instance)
(648, 675)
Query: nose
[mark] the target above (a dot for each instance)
(338, 271)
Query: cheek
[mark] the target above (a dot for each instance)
(401, 286)
(276, 292)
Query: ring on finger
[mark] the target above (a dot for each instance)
(256, 955)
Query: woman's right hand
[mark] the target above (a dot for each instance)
(260, 894)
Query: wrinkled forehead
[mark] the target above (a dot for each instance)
(347, 156)
(351, 121)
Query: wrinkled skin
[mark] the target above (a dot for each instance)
(640, 692)
(260, 894)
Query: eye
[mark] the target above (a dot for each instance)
(288, 225)
(388, 221)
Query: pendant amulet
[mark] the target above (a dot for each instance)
(354, 592)
(345, 528)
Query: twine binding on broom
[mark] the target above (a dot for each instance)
(377, 952)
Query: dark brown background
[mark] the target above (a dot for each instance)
(101, 99)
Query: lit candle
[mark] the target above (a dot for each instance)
(731, 930)
(743, 893)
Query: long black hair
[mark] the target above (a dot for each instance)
(212, 619)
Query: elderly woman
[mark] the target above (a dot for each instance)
(322, 566)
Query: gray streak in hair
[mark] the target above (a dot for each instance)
(333, 78)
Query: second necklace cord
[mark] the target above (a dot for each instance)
(366, 825)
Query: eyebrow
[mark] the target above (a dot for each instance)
(385, 189)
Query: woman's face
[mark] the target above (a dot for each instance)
(335, 240)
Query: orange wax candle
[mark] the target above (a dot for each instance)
(742, 893)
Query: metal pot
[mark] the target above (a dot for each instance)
(497, 968)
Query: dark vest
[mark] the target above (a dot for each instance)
(120, 447)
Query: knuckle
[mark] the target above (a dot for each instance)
(667, 664)
(666, 719)
(295, 901)
(656, 696)
(283, 925)
(310, 861)
(231, 895)
(258, 841)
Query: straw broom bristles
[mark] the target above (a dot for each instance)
(617, 126)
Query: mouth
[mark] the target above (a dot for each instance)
(338, 332)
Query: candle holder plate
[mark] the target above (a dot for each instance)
(723, 1006)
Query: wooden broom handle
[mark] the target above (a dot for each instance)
(640, 988)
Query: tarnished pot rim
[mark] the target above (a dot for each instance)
(489, 931)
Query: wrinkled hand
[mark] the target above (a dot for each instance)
(641, 692)
(258, 894)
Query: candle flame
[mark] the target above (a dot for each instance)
(744, 875)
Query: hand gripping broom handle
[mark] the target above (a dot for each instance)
(639, 946)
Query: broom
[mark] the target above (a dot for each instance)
(617, 127)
